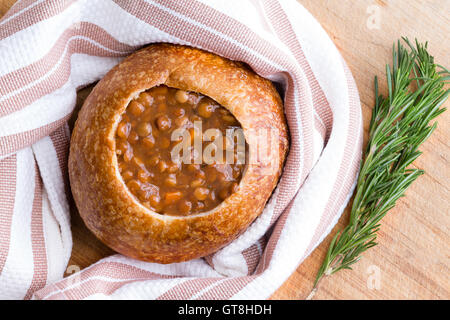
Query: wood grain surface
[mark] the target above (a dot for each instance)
(412, 258)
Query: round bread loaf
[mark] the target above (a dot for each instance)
(114, 213)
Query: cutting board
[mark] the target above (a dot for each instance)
(411, 260)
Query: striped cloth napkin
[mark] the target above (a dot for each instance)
(51, 48)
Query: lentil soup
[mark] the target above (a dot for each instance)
(144, 144)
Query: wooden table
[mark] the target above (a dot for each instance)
(412, 258)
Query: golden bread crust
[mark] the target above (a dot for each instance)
(112, 213)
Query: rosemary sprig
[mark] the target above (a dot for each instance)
(400, 124)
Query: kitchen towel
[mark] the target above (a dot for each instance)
(51, 48)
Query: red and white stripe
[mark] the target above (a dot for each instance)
(55, 47)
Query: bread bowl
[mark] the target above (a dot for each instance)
(151, 86)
